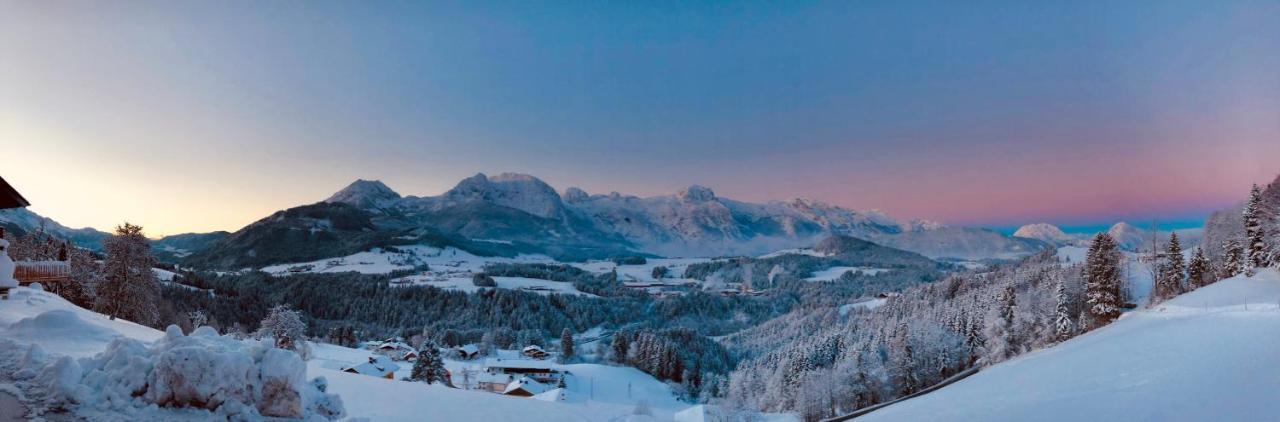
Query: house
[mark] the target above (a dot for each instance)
(525, 387)
(535, 352)
(540, 371)
(9, 197)
(409, 355)
(394, 349)
(467, 352)
(377, 366)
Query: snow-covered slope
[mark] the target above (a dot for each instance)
(1208, 355)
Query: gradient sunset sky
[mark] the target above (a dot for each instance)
(200, 116)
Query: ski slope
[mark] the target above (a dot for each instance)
(1206, 355)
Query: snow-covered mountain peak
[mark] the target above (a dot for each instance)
(1044, 232)
(575, 195)
(514, 190)
(1128, 236)
(696, 193)
(366, 194)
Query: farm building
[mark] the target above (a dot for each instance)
(377, 366)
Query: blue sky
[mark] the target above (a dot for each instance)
(982, 113)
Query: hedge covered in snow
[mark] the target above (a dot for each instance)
(201, 372)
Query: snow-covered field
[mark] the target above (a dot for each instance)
(594, 392)
(868, 304)
(644, 272)
(834, 273)
(380, 261)
(1209, 355)
(464, 284)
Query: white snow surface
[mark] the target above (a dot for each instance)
(60, 356)
(1208, 355)
(834, 273)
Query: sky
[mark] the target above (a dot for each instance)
(200, 116)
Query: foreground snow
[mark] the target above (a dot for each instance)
(60, 358)
(1206, 355)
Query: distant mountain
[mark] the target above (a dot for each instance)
(20, 221)
(512, 213)
(176, 247)
(1047, 233)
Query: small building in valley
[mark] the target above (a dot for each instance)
(377, 366)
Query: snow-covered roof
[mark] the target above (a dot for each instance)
(395, 345)
(517, 364)
(377, 366)
(526, 384)
(469, 349)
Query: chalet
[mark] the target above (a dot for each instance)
(9, 197)
(395, 350)
(377, 366)
(525, 387)
(409, 355)
(535, 352)
(540, 371)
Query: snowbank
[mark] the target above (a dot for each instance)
(220, 375)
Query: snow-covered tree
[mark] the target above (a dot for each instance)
(566, 346)
(1102, 280)
(1257, 255)
(1063, 327)
(660, 272)
(1233, 259)
(1198, 271)
(198, 318)
(430, 366)
(285, 326)
(129, 288)
(1169, 280)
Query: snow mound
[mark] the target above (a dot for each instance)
(59, 324)
(200, 372)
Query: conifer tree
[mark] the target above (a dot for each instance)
(1063, 327)
(129, 288)
(1102, 280)
(1169, 283)
(566, 346)
(1198, 272)
(1233, 259)
(430, 367)
(1257, 255)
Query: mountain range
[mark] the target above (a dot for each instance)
(517, 213)
(513, 213)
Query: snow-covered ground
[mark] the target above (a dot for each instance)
(594, 392)
(465, 284)
(867, 303)
(644, 272)
(833, 273)
(1208, 355)
(442, 262)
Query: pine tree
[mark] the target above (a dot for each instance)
(129, 288)
(1170, 280)
(1233, 259)
(566, 346)
(1063, 327)
(1257, 255)
(1102, 280)
(1198, 270)
(430, 367)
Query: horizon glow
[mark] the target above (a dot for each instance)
(189, 117)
